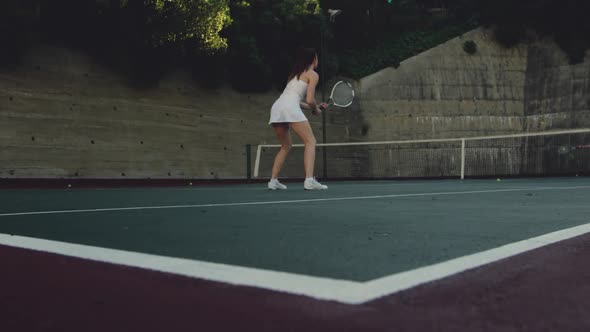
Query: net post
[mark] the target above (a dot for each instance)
(248, 162)
(462, 159)
(323, 88)
(257, 161)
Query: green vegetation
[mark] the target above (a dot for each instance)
(359, 63)
(139, 38)
(516, 21)
(250, 43)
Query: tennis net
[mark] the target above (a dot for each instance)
(551, 153)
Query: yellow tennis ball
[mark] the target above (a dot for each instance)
(498, 179)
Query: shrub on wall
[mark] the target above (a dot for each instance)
(565, 21)
(470, 47)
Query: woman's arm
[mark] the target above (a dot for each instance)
(310, 104)
(305, 106)
(311, 85)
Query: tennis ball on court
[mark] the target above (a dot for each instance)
(498, 179)
(190, 183)
(69, 185)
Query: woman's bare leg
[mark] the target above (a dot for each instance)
(303, 130)
(282, 132)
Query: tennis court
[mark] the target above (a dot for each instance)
(363, 255)
(142, 144)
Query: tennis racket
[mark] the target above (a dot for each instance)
(342, 95)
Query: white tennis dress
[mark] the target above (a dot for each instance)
(287, 108)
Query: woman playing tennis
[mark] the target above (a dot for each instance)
(287, 113)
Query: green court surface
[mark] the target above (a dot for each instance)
(355, 231)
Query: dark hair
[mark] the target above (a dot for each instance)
(303, 59)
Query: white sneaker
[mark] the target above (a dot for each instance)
(275, 184)
(313, 184)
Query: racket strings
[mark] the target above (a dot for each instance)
(343, 94)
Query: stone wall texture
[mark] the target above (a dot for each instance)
(63, 116)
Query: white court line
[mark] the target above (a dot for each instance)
(409, 279)
(343, 291)
(321, 288)
(287, 201)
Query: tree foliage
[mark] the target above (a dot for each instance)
(514, 21)
(264, 37)
(193, 20)
(137, 37)
(250, 43)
